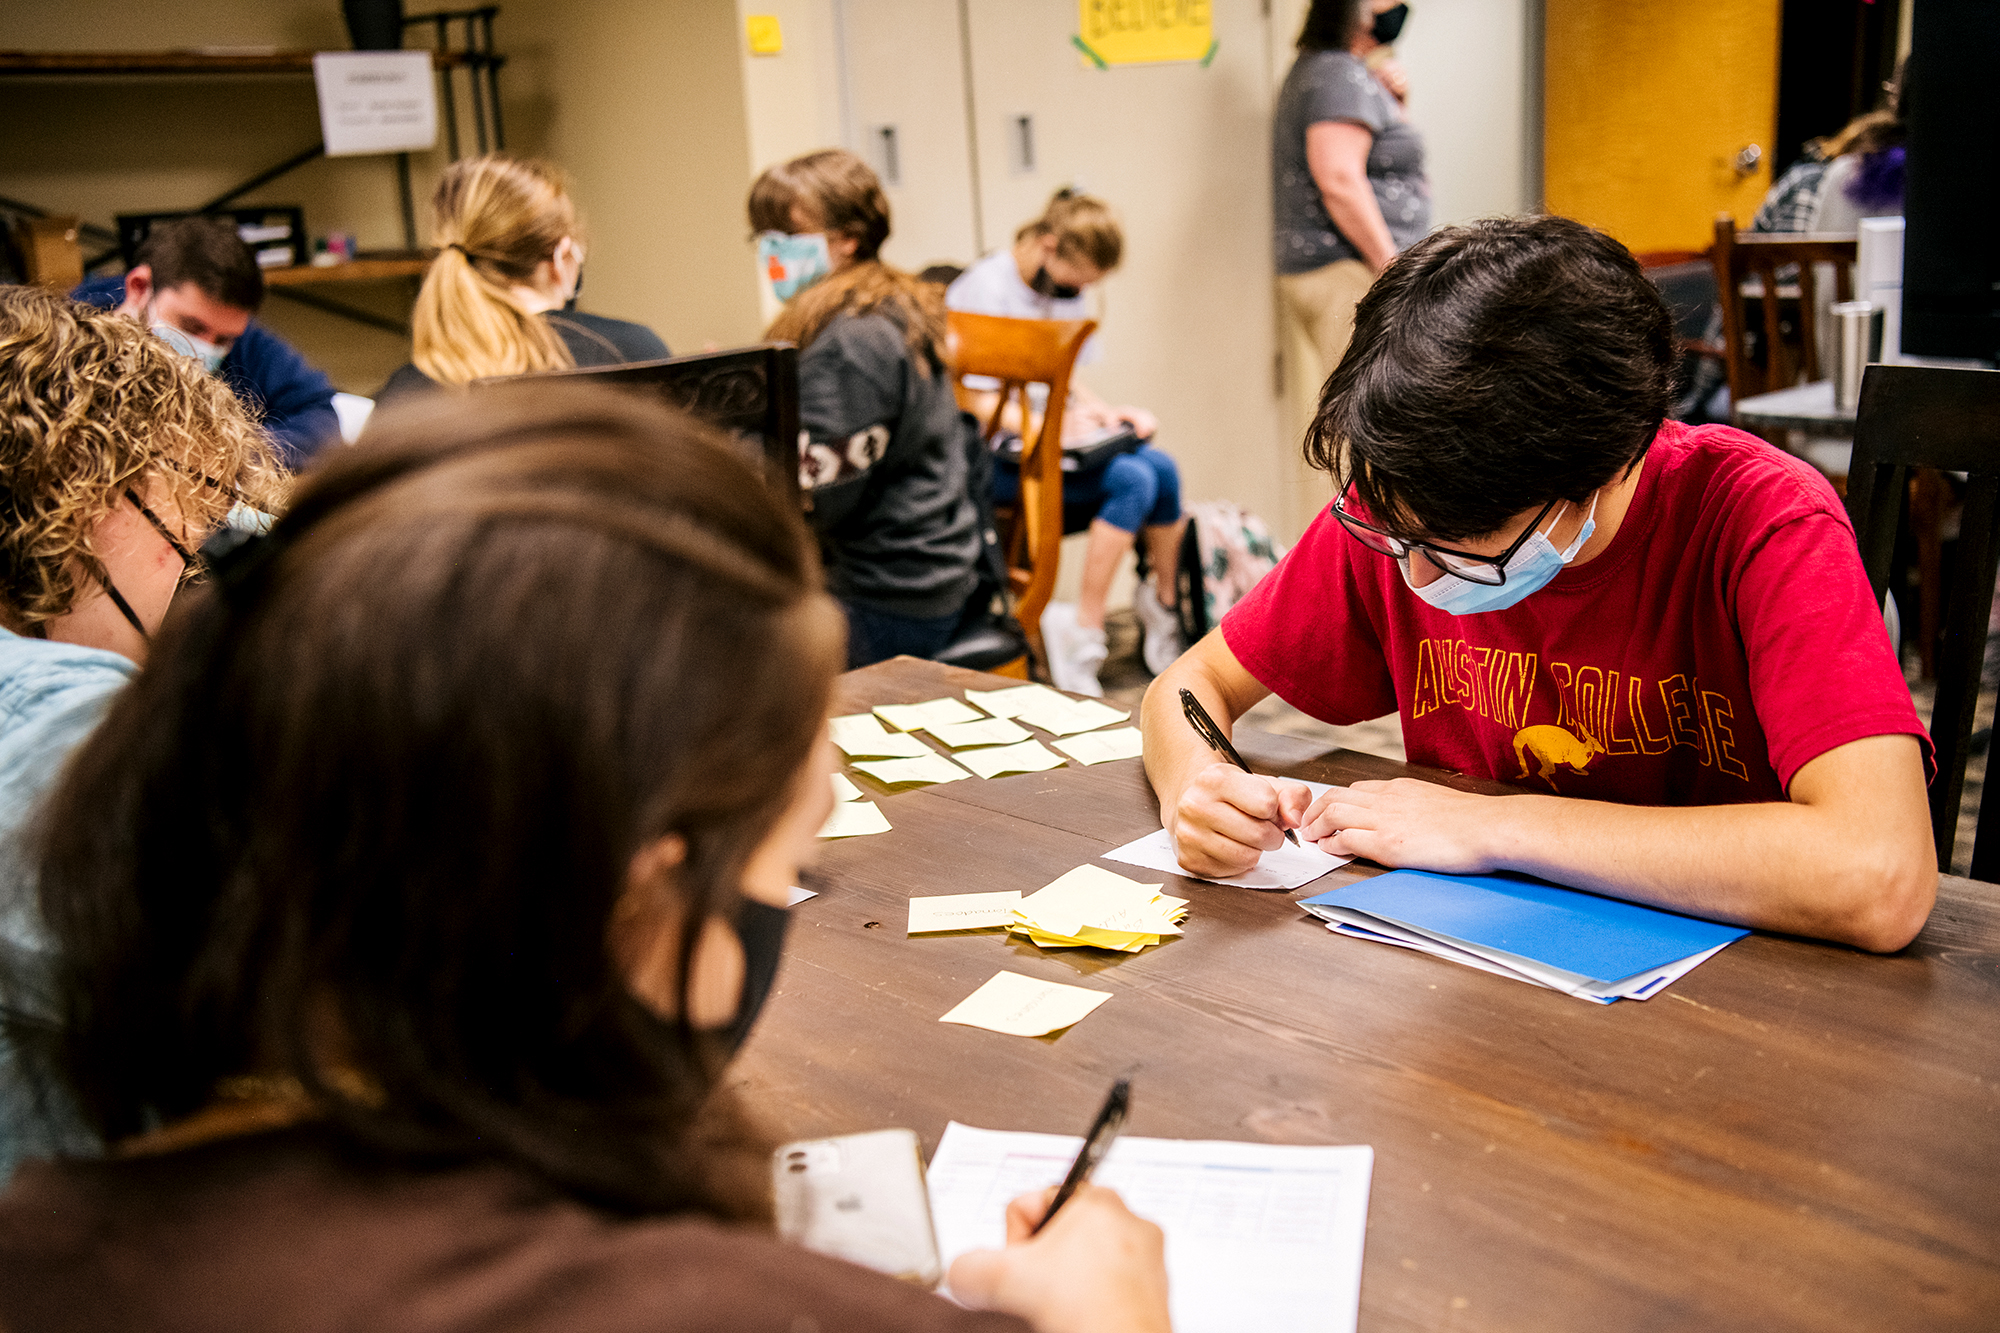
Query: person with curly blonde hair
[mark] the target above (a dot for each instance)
(117, 457)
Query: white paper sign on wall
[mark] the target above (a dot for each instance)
(375, 101)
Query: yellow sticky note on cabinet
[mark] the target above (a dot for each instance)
(766, 38)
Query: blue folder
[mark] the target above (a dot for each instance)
(1604, 939)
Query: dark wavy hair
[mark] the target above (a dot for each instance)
(1495, 367)
(391, 771)
(1331, 24)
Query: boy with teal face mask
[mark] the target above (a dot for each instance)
(1557, 588)
(886, 457)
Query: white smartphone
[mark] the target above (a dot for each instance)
(859, 1197)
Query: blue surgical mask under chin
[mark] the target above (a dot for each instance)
(1529, 570)
(191, 347)
(793, 263)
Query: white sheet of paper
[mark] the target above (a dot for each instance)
(986, 731)
(375, 101)
(799, 895)
(844, 788)
(1101, 747)
(860, 736)
(1027, 757)
(924, 716)
(962, 911)
(1259, 1235)
(1286, 868)
(1065, 717)
(1008, 702)
(931, 768)
(1024, 1007)
(851, 819)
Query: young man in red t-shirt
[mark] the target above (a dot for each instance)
(1558, 588)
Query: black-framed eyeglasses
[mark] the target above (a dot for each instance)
(1487, 569)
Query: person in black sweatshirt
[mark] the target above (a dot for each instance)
(496, 299)
(885, 457)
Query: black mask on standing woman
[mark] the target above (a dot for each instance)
(1389, 24)
(761, 928)
(1046, 286)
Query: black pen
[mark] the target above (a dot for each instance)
(1204, 727)
(1095, 1144)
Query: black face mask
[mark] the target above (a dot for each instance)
(1044, 285)
(761, 927)
(1389, 24)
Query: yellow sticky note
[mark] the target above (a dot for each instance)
(962, 911)
(843, 789)
(1010, 701)
(1101, 747)
(931, 768)
(1024, 1007)
(851, 819)
(987, 731)
(1027, 757)
(1063, 716)
(926, 715)
(861, 736)
(766, 37)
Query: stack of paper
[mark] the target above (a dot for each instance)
(1092, 907)
(1259, 1235)
(1597, 949)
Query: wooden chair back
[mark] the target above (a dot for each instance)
(1947, 419)
(1019, 353)
(51, 252)
(751, 392)
(1738, 256)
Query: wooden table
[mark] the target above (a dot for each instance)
(1794, 1136)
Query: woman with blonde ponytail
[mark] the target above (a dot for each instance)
(509, 262)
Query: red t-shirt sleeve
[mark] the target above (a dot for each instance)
(1822, 671)
(1306, 633)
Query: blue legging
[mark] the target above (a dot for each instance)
(1135, 490)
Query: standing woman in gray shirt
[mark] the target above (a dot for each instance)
(1348, 178)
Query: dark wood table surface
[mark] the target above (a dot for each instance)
(1793, 1136)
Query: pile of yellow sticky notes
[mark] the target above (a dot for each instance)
(1095, 908)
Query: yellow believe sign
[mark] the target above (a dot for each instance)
(1138, 32)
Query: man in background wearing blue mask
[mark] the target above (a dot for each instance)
(1557, 587)
(197, 286)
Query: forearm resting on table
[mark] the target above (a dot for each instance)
(1848, 858)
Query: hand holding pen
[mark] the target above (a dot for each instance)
(1205, 727)
(1099, 1269)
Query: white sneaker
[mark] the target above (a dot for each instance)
(1075, 653)
(1162, 630)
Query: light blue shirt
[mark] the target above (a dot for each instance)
(51, 696)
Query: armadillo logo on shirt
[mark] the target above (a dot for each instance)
(1601, 715)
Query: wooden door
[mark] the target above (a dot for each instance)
(1649, 106)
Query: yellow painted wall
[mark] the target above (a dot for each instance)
(1647, 103)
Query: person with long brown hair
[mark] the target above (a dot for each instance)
(887, 460)
(417, 894)
(117, 455)
(498, 298)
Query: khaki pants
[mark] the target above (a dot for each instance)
(1317, 313)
